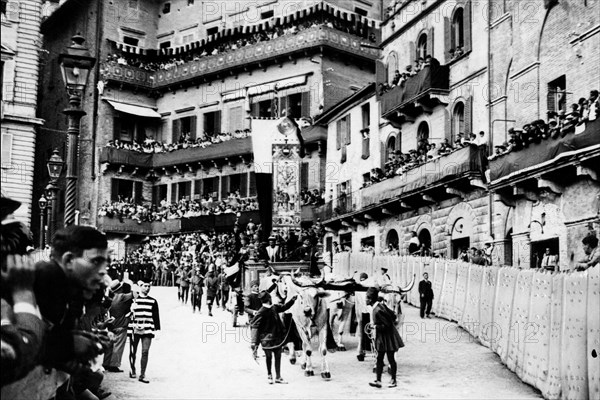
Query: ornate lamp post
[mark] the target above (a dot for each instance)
(43, 203)
(75, 64)
(55, 167)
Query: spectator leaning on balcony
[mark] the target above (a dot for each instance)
(592, 253)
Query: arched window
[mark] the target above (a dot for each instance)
(458, 29)
(392, 66)
(458, 120)
(392, 240)
(423, 131)
(422, 46)
(390, 147)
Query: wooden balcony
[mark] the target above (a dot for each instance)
(258, 54)
(419, 94)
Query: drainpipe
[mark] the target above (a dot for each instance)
(99, 36)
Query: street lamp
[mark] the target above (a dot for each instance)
(75, 64)
(43, 203)
(55, 167)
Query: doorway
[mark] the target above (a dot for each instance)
(458, 245)
(425, 240)
(538, 249)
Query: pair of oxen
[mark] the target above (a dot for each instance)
(324, 311)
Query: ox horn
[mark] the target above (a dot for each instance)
(409, 286)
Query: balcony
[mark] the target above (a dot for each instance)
(221, 222)
(547, 166)
(452, 175)
(242, 58)
(420, 93)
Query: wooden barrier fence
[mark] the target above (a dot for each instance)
(545, 327)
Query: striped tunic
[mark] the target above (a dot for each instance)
(145, 316)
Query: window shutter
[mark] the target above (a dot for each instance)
(304, 175)
(348, 130)
(338, 134)
(469, 116)
(344, 155)
(244, 184)
(551, 100)
(218, 121)
(116, 128)
(6, 157)
(197, 189)
(349, 195)
(412, 51)
(366, 147)
(383, 155)
(380, 72)
(254, 109)
(448, 121)
(430, 42)
(252, 185)
(114, 191)
(467, 26)
(173, 192)
(283, 105)
(305, 106)
(448, 42)
(274, 110)
(176, 133)
(193, 127)
(138, 195)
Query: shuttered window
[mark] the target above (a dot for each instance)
(6, 155)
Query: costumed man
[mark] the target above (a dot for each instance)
(384, 279)
(268, 330)
(251, 302)
(212, 286)
(272, 252)
(426, 295)
(302, 253)
(387, 338)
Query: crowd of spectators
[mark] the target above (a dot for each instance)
(238, 41)
(204, 140)
(399, 163)
(400, 78)
(184, 208)
(312, 197)
(559, 125)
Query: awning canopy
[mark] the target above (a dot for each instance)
(140, 111)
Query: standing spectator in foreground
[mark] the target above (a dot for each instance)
(119, 309)
(268, 329)
(144, 323)
(426, 295)
(223, 288)
(590, 248)
(387, 338)
(212, 286)
(197, 283)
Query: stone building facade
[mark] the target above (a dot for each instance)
(20, 67)
(310, 70)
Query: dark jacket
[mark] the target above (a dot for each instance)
(252, 303)
(212, 286)
(425, 289)
(267, 326)
(387, 337)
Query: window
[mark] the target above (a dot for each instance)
(346, 241)
(390, 148)
(130, 41)
(392, 66)
(422, 46)
(212, 31)
(557, 94)
(392, 240)
(190, 2)
(343, 135)
(165, 45)
(236, 119)
(128, 129)
(123, 189)
(304, 175)
(184, 128)
(369, 241)
(184, 190)
(265, 109)
(360, 11)
(366, 115)
(365, 132)
(159, 193)
(458, 120)
(458, 29)
(266, 14)
(423, 131)
(188, 38)
(212, 122)
(210, 186)
(344, 200)
(296, 105)
(366, 178)
(166, 8)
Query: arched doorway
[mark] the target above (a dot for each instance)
(390, 147)
(392, 240)
(425, 239)
(423, 131)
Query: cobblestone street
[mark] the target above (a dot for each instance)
(197, 357)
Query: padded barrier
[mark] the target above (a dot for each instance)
(545, 327)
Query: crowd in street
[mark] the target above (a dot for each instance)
(234, 42)
(204, 140)
(559, 125)
(184, 208)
